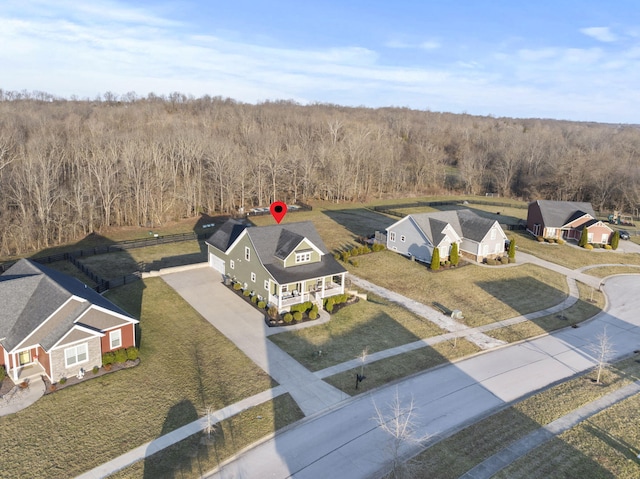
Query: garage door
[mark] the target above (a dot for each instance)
(216, 263)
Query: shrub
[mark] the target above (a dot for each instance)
(336, 256)
(108, 358)
(377, 247)
(95, 370)
(262, 304)
(354, 262)
(314, 308)
(132, 354)
(561, 241)
(246, 293)
(288, 317)
(504, 260)
(297, 316)
(272, 312)
(512, 260)
(607, 246)
(344, 256)
(615, 240)
(237, 286)
(588, 246)
(62, 380)
(435, 260)
(313, 314)
(329, 304)
(540, 239)
(3, 373)
(584, 238)
(512, 248)
(120, 355)
(254, 299)
(491, 262)
(454, 255)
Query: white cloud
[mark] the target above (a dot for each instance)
(602, 34)
(430, 45)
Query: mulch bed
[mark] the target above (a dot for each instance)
(88, 375)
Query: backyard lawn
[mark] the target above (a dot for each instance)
(375, 325)
(581, 452)
(186, 365)
(483, 294)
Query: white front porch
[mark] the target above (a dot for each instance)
(323, 288)
(28, 371)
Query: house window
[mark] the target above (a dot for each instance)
(24, 357)
(115, 339)
(232, 264)
(551, 232)
(285, 288)
(605, 238)
(253, 277)
(76, 355)
(392, 236)
(402, 238)
(247, 253)
(304, 257)
(266, 284)
(493, 233)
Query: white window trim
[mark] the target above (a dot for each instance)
(266, 284)
(76, 354)
(303, 257)
(115, 334)
(232, 264)
(253, 277)
(392, 236)
(247, 253)
(403, 238)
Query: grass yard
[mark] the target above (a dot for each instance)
(384, 371)
(453, 456)
(483, 294)
(122, 263)
(375, 324)
(68, 268)
(198, 454)
(604, 271)
(572, 257)
(186, 366)
(582, 310)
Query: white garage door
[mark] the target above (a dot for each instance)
(216, 263)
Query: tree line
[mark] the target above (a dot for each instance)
(70, 167)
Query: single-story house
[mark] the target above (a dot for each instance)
(51, 324)
(283, 264)
(566, 220)
(417, 235)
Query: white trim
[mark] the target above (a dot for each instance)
(111, 337)
(266, 285)
(253, 277)
(233, 245)
(82, 300)
(108, 311)
(313, 247)
(232, 264)
(247, 254)
(305, 257)
(93, 332)
(64, 352)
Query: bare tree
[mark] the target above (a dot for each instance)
(398, 421)
(603, 351)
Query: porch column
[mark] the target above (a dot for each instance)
(343, 277)
(15, 366)
(279, 297)
(323, 287)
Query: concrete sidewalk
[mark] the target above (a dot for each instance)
(245, 326)
(494, 464)
(18, 399)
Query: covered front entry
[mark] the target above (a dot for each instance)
(314, 290)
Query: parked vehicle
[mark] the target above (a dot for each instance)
(624, 235)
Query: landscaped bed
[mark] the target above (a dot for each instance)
(187, 366)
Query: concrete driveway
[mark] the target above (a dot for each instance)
(244, 325)
(347, 443)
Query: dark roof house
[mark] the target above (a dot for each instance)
(566, 220)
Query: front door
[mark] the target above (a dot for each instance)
(24, 357)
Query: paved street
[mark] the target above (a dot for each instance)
(346, 443)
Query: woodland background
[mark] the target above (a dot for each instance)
(70, 167)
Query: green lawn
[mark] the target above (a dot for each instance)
(453, 456)
(589, 304)
(186, 366)
(375, 324)
(483, 294)
(194, 456)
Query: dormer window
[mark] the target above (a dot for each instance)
(303, 257)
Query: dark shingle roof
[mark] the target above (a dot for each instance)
(473, 226)
(465, 223)
(273, 243)
(556, 214)
(31, 293)
(227, 234)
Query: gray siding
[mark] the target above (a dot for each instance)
(415, 243)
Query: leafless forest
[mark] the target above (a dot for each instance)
(71, 167)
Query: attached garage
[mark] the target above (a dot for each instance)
(216, 263)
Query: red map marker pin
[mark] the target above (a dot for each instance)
(278, 210)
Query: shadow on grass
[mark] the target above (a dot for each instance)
(361, 222)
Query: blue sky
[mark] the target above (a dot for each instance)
(577, 60)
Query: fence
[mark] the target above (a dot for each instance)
(418, 204)
(299, 206)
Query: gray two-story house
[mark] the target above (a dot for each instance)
(283, 264)
(417, 235)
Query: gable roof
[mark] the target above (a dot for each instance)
(465, 223)
(32, 294)
(227, 234)
(556, 214)
(275, 242)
